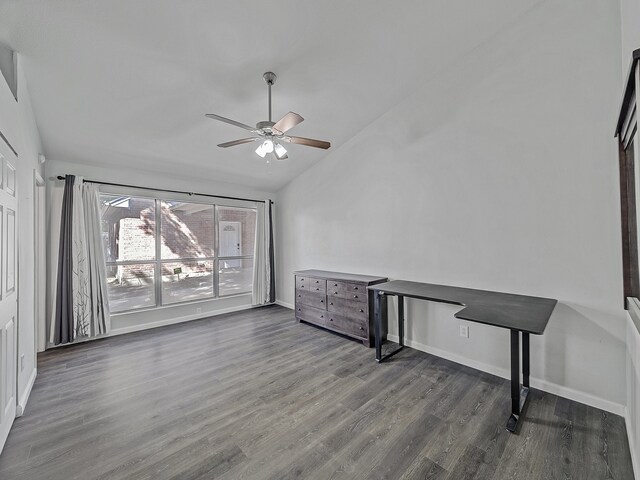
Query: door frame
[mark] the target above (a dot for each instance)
(40, 265)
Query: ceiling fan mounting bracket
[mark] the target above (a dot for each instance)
(269, 77)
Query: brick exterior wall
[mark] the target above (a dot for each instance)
(187, 233)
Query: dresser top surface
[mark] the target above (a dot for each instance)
(344, 277)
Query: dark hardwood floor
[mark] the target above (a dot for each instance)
(255, 395)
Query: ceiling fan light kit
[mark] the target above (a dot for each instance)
(269, 146)
(269, 133)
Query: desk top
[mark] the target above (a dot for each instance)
(516, 312)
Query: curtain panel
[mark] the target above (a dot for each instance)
(81, 302)
(264, 286)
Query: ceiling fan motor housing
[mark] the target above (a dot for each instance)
(266, 126)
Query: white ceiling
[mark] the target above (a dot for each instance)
(127, 82)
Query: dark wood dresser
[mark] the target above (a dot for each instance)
(339, 302)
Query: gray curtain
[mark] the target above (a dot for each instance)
(63, 324)
(81, 303)
(264, 285)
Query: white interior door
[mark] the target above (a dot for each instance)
(8, 290)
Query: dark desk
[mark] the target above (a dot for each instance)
(518, 313)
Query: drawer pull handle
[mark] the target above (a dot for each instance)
(355, 296)
(361, 328)
(335, 284)
(331, 319)
(335, 293)
(317, 289)
(317, 281)
(321, 301)
(321, 316)
(361, 311)
(355, 288)
(299, 310)
(299, 296)
(331, 303)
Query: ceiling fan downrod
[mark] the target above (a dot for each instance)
(270, 78)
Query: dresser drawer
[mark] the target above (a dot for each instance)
(348, 308)
(311, 314)
(351, 291)
(302, 282)
(310, 298)
(350, 326)
(317, 285)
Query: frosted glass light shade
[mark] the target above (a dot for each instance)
(280, 151)
(264, 148)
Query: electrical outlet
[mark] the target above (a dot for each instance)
(198, 309)
(464, 331)
(22, 362)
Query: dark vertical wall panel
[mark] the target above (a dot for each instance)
(8, 69)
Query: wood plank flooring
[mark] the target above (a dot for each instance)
(255, 395)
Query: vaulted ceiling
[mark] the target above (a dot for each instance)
(126, 83)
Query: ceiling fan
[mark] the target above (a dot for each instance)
(271, 134)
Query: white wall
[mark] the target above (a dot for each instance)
(18, 124)
(630, 16)
(500, 174)
(132, 321)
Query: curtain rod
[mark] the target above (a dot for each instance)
(62, 177)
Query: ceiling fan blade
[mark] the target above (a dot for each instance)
(309, 142)
(237, 142)
(287, 122)
(230, 122)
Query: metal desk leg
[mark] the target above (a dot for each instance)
(519, 394)
(377, 323)
(525, 359)
(401, 320)
(377, 319)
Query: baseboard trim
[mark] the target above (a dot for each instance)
(173, 321)
(284, 304)
(24, 398)
(550, 387)
(160, 323)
